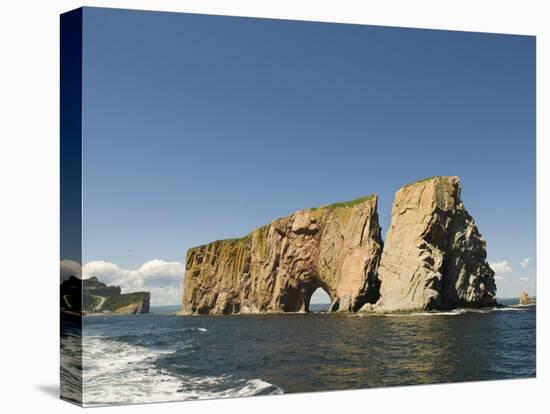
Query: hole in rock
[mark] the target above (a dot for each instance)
(320, 301)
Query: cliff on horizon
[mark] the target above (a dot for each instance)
(434, 258)
(92, 296)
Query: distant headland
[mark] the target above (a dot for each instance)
(90, 296)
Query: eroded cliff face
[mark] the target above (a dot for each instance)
(139, 305)
(277, 267)
(434, 256)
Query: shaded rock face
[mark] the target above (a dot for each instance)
(141, 305)
(434, 256)
(277, 267)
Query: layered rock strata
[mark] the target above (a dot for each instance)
(434, 256)
(277, 267)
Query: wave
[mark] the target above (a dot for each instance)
(527, 305)
(115, 372)
(494, 309)
(194, 329)
(454, 312)
(521, 308)
(71, 367)
(158, 339)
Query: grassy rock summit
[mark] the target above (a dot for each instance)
(434, 258)
(92, 296)
(277, 267)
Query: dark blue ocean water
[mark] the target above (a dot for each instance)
(160, 357)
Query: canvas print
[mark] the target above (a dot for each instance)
(258, 206)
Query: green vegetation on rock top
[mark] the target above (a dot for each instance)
(112, 303)
(265, 228)
(231, 241)
(435, 177)
(344, 204)
(91, 295)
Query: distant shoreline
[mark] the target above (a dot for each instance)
(171, 310)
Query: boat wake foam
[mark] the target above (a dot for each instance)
(119, 373)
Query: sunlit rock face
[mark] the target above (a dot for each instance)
(434, 256)
(277, 267)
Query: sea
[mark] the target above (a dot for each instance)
(162, 357)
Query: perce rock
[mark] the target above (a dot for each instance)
(434, 256)
(277, 267)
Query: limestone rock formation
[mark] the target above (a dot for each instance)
(137, 306)
(277, 267)
(525, 299)
(434, 256)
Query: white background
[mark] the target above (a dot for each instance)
(29, 192)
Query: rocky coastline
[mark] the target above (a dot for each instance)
(89, 297)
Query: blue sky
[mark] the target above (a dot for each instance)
(199, 128)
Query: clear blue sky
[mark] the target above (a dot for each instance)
(199, 128)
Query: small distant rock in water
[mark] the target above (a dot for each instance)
(524, 298)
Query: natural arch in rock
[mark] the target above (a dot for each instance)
(434, 258)
(277, 267)
(297, 297)
(319, 301)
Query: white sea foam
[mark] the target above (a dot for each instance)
(511, 309)
(120, 373)
(454, 312)
(195, 329)
(71, 372)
